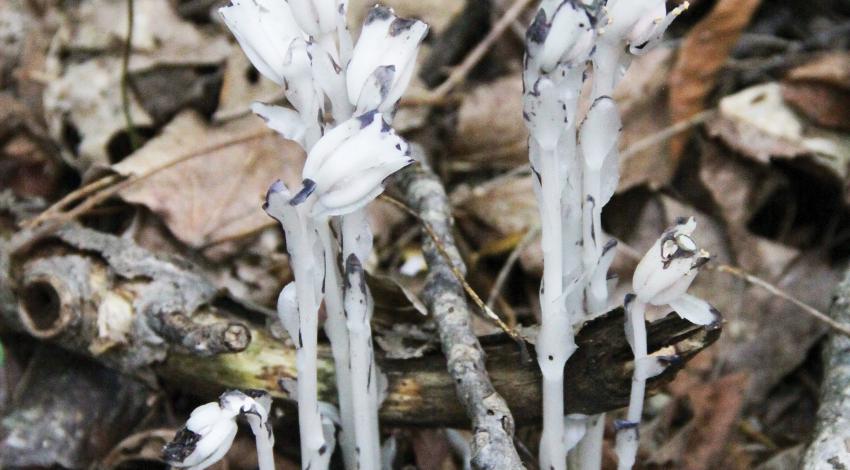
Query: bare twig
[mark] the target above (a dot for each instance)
(667, 133)
(817, 314)
(828, 449)
(492, 422)
(459, 73)
(135, 141)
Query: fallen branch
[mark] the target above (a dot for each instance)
(492, 422)
(65, 308)
(829, 448)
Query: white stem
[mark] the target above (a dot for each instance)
(265, 445)
(338, 336)
(589, 451)
(628, 437)
(309, 419)
(358, 308)
(551, 352)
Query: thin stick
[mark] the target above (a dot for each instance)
(667, 133)
(135, 141)
(526, 240)
(817, 314)
(71, 197)
(459, 73)
(489, 313)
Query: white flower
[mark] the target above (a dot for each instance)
(348, 165)
(265, 29)
(208, 435)
(561, 34)
(316, 17)
(211, 427)
(383, 60)
(639, 23)
(667, 270)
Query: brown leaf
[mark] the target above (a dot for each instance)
(716, 408)
(219, 192)
(702, 55)
(820, 90)
(490, 128)
(830, 68)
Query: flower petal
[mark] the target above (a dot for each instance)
(285, 121)
(695, 310)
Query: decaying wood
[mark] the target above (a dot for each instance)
(830, 447)
(67, 411)
(492, 423)
(421, 392)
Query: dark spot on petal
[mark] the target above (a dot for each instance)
(308, 187)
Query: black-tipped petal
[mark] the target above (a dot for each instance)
(308, 187)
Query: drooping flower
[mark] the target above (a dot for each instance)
(211, 427)
(265, 29)
(383, 60)
(639, 23)
(561, 34)
(667, 270)
(346, 168)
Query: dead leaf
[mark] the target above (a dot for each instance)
(701, 56)
(219, 193)
(241, 85)
(820, 90)
(758, 123)
(642, 96)
(489, 126)
(830, 68)
(716, 406)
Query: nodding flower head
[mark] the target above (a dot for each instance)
(561, 34)
(668, 269)
(316, 17)
(264, 29)
(210, 430)
(347, 167)
(640, 24)
(383, 60)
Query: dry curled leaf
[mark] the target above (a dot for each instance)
(218, 193)
(702, 55)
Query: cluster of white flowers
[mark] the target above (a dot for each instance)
(341, 97)
(577, 169)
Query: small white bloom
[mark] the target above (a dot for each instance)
(639, 23)
(265, 29)
(383, 60)
(348, 165)
(211, 427)
(208, 435)
(561, 34)
(667, 270)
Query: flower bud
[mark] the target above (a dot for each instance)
(348, 165)
(211, 427)
(264, 30)
(561, 34)
(208, 435)
(667, 270)
(383, 60)
(639, 23)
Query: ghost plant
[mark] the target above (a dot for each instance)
(211, 428)
(341, 97)
(662, 278)
(576, 172)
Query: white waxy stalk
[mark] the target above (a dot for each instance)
(338, 335)
(383, 60)
(358, 306)
(558, 43)
(661, 278)
(211, 428)
(598, 138)
(308, 267)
